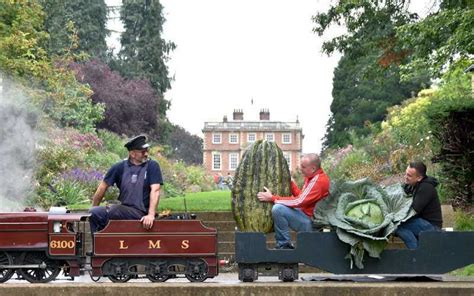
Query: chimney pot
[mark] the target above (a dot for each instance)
(238, 114)
(264, 114)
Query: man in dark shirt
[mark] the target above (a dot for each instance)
(425, 203)
(138, 179)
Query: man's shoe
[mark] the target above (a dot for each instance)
(287, 246)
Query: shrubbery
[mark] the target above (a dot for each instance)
(72, 164)
(421, 128)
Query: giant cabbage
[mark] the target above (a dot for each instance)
(364, 215)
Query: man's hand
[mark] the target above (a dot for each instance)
(147, 221)
(265, 196)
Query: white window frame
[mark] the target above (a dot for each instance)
(283, 138)
(270, 134)
(213, 165)
(254, 135)
(231, 155)
(287, 156)
(214, 135)
(236, 138)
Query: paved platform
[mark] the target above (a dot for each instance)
(228, 284)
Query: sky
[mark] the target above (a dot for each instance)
(230, 52)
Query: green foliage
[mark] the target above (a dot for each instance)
(464, 221)
(89, 17)
(180, 178)
(112, 143)
(21, 37)
(65, 193)
(53, 88)
(144, 51)
(54, 159)
(365, 82)
(68, 162)
(439, 40)
(466, 271)
(184, 146)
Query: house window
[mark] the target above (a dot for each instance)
(286, 138)
(270, 137)
(217, 138)
(216, 161)
(251, 137)
(233, 161)
(233, 138)
(287, 156)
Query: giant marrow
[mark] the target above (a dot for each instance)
(262, 164)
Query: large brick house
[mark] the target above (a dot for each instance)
(226, 141)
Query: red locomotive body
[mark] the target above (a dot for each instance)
(38, 246)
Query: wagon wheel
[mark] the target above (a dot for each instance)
(157, 272)
(196, 271)
(120, 278)
(48, 271)
(5, 273)
(157, 277)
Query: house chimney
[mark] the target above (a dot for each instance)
(264, 114)
(238, 114)
(224, 119)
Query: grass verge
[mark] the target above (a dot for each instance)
(218, 200)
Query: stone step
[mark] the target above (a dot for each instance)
(230, 236)
(214, 216)
(221, 225)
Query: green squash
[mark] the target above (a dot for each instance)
(262, 164)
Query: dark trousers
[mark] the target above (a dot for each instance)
(410, 230)
(100, 215)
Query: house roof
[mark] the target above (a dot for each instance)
(251, 126)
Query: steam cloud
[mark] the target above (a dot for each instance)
(18, 140)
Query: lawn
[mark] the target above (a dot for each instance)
(198, 202)
(218, 200)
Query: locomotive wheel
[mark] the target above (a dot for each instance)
(121, 278)
(157, 271)
(39, 275)
(196, 271)
(5, 274)
(247, 273)
(158, 277)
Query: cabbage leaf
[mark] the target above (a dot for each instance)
(364, 215)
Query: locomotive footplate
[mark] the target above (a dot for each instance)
(438, 253)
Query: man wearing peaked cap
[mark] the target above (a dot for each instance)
(137, 143)
(139, 180)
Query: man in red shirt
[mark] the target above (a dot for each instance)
(295, 211)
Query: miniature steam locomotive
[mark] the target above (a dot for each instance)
(38, 245)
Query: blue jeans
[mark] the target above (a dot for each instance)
(410, 230)
(100, 215)
(285, 218)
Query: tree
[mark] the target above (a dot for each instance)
(52, 88)
(130, 105)
(440, 40)
(370, 25)
(144, 52)
(184, 146)
(366, 80)
(358, 102)
(89, 20)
